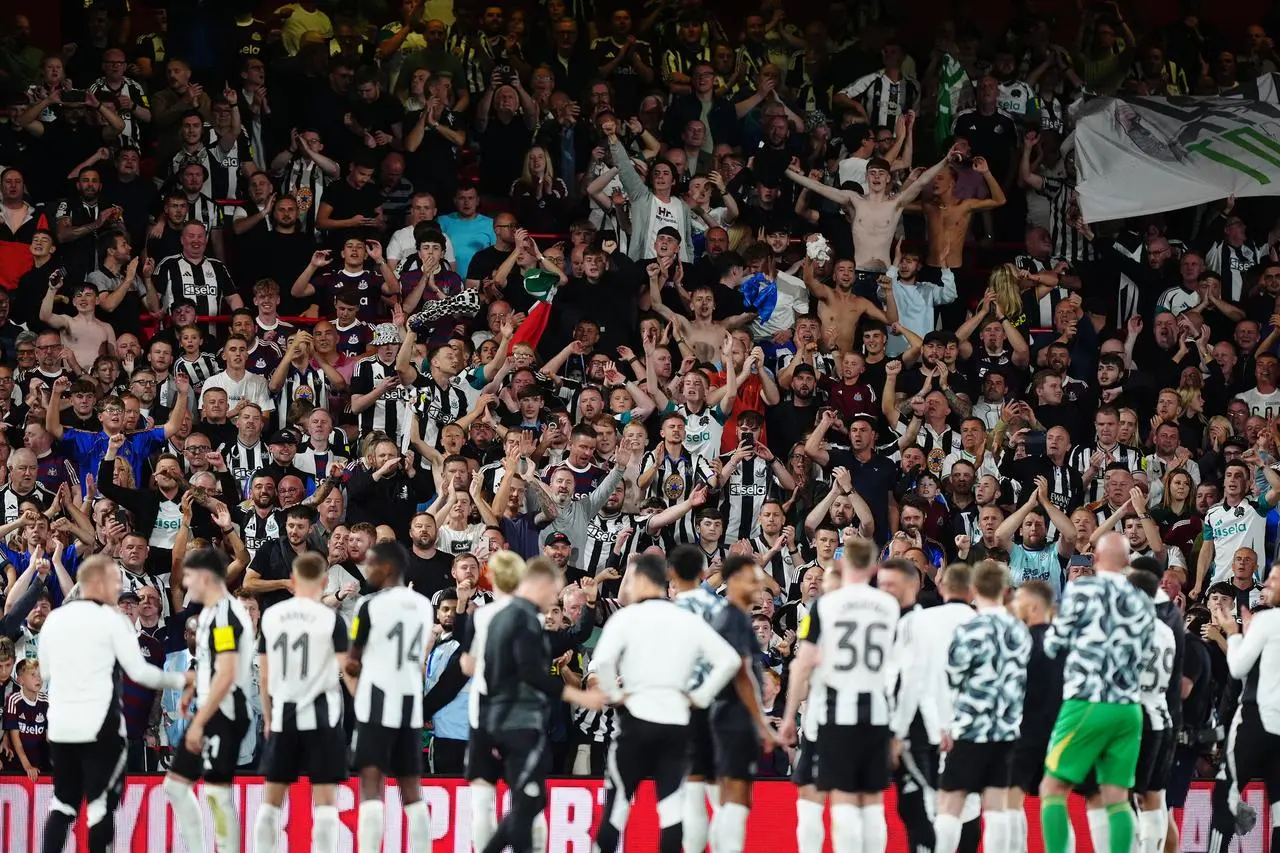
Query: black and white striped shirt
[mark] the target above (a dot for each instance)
(302, 639)
(675, 481)
(750, 485)
(1042, 315)
(602, 533)
(389, 413)
(204, 366)
(243, 459)
(1232, 263)
(226, 179)
(11, 501)
(1064, 208)
(205, 282)
(437, 407)
(306, 182)
(258, 530)
(1095, 490)
(206, 211)
(884, 99)
(781, 567)
(309, 385)
(102, 90)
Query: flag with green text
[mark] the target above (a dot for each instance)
(1138, 156)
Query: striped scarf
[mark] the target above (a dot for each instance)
(951, 81)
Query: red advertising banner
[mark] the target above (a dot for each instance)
(144, 823)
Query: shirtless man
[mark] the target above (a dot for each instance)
(84, 334)
(948, 217)
(840, 309)
(874, 216)
(704, 334)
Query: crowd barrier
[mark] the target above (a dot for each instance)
(144, 823)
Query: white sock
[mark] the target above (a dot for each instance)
(484, 814)
(846, 828)
(1152, 826)
(1099, 829)
(266, 828)
(226, 823)
(186, 814)
(729, 828)
(996, 833)
(875, 829)
(946, 832)
(324, 829)
(538, 833)
(809, 830)
(695, 817)
(419, 821)
(1018, 844)
(369, 827)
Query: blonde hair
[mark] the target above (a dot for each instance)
(525, 176)
(507, 570)
(1004, 281)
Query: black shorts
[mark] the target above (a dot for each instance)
(974, 767)
(805, 771)
(702, 751)
(320, 755)
(483, 761)
(1028, 764)
(220, 753)
(85, 772)
(396, 752)
(737, 753)
(1155, 759)
(853, 759)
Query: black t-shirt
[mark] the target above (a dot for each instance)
(873, 480)
(429, 575)
(347, 201)
(504, 146)
(379, 115)
(994, 137)
(735, 626)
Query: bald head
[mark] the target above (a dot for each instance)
(1112, 553)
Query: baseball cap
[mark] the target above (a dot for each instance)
(940, 336)
(878, 163)
(558, 539)
(283, 436)
(863, 416)
(386, 333)
(129, 595)
(804, 368)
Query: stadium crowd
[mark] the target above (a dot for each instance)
(580, 282)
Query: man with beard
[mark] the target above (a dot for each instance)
(278, 252)
(84, 224)
(257, 517)
(428, 569)
(269, 575)
(563, 514)
(872, 476)
(1034, 558)
(788, 422)
(446, 700)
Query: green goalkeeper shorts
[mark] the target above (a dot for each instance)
(1095, 736)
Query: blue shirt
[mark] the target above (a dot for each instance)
(468, 237)
(86, 449)
(20, 560)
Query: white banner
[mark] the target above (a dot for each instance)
(1137, 156)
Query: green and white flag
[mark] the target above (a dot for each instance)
(952, 81)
